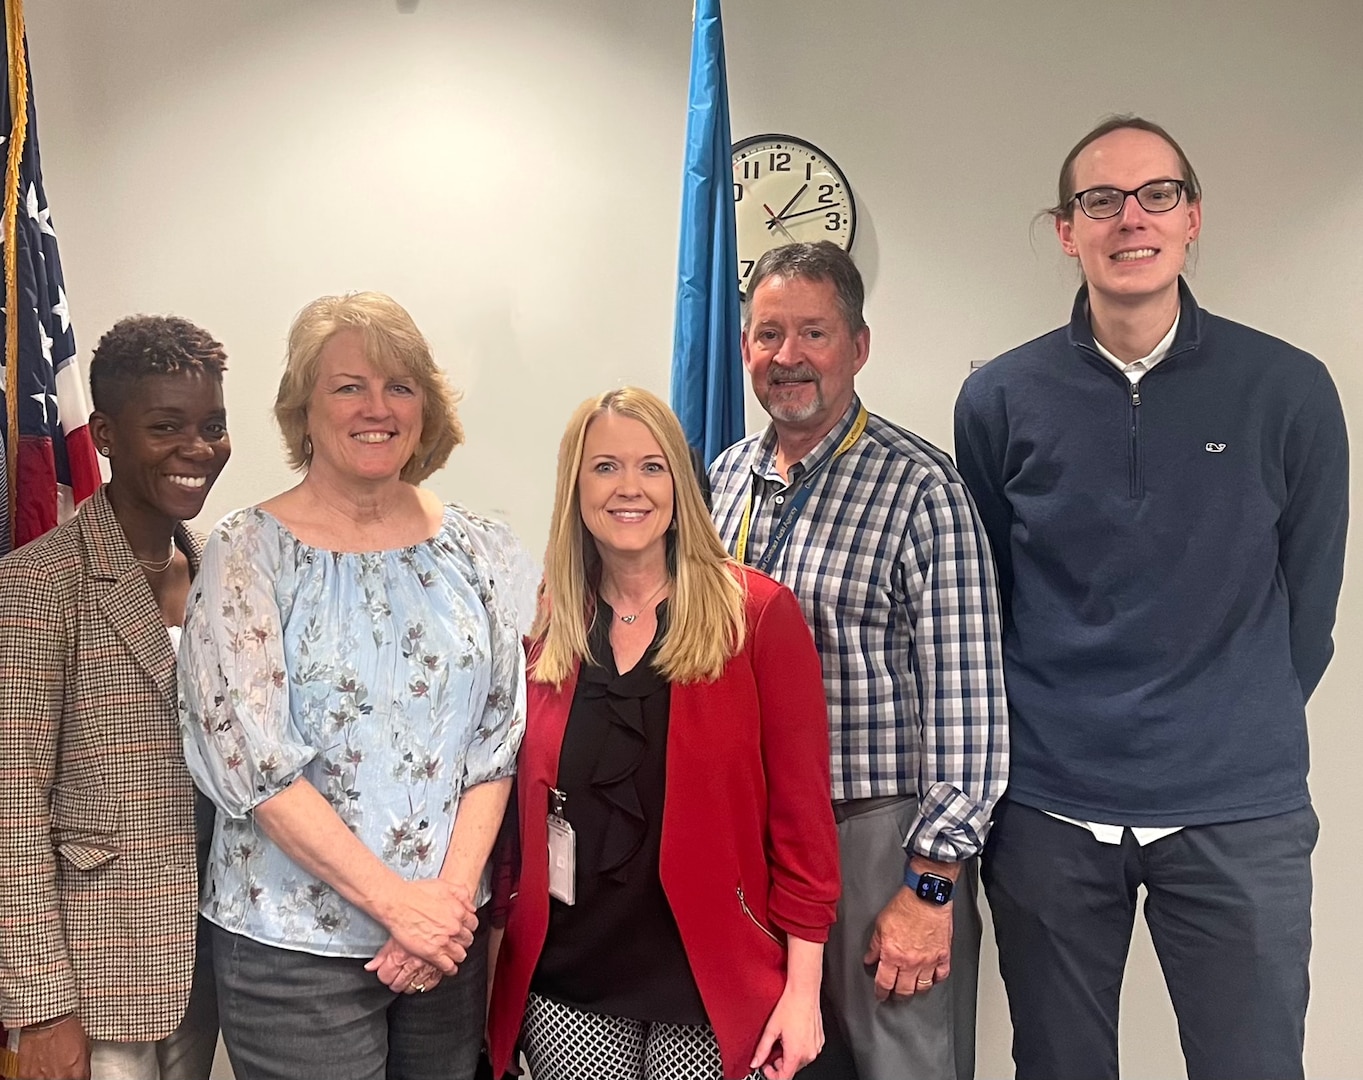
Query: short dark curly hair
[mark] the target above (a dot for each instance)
(143, 345)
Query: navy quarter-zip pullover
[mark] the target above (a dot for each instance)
(1169, 556)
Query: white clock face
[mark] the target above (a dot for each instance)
(785, 191)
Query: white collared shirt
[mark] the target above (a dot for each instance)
(1137, 368)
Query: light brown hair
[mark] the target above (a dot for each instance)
(1064, 207)
(394, 345)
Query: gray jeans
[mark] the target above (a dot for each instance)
(294, 1016)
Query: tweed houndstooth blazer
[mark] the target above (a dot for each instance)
(98, 883)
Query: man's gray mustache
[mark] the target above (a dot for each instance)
(790, 375)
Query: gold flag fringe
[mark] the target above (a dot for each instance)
(18, 104)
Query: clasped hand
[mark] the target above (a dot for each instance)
(430, 925)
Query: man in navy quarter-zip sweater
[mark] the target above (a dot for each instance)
(1166, 495)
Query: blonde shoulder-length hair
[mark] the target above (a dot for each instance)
(706, 621)
(394, 345)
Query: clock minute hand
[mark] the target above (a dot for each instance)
(813, 210)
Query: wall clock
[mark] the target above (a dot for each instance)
(787, 190)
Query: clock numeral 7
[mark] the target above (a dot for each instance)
(747, 265)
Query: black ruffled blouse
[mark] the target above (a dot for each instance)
(617, 951)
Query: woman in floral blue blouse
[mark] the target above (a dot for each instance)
(352, 687)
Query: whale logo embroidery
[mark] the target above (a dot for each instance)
(1215, 447)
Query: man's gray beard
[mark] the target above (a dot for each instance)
(789, 414)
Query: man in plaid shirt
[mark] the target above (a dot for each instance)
(875, 533)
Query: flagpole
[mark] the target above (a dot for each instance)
(17, 69)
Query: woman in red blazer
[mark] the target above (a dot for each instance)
(677, 726)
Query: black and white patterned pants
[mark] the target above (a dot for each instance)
(564, 1043)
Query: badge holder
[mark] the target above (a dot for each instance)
(562, 852)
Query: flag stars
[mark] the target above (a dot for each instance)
(41, 214)
(61, 311)
(44, 342)
(48, 404)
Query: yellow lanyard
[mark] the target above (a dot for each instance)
(797, 503)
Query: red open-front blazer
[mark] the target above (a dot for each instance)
(749, 848)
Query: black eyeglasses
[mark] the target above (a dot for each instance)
(1156, 197)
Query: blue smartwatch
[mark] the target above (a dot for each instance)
(934, 888)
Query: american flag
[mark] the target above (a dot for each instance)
(51, 467)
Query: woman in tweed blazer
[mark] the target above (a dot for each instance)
(97, 810)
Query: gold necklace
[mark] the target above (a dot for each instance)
(157, 568)
(628, 620)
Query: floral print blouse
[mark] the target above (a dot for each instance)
(391, 680)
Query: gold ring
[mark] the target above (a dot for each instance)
(420, 988)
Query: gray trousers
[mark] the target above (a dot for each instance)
(929, 1036)
(1229, 911)
(294, 1016)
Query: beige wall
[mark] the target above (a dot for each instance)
(509, 169)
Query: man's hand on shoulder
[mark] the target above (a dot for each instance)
(911, 942)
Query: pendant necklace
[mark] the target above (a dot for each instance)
(628, 620)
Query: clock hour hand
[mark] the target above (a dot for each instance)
(775, 219)
(793, 200)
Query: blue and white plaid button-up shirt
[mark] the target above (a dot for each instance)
(895, 576)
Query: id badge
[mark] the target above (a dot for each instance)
(562, 861)
(562, 852)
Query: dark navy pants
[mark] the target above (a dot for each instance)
(1229, 911)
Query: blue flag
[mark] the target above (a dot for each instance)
(707, 368)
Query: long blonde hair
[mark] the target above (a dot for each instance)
(706, 622)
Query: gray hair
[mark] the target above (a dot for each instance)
(824, 261)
